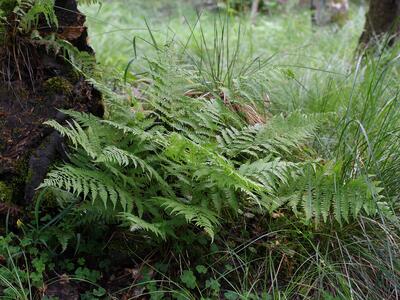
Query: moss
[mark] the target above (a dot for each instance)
(48, 198)
(29, 176)
(6, 192)
(73, 75)
(21, 167)
(17, 182)
(58, 85)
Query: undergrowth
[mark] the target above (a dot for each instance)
(225, 170)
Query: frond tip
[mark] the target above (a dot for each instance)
(200, 216)
(136, 223)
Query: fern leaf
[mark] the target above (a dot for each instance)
(200, 216)
(136, 223)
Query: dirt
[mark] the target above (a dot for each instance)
(35, 84)
(24, 109)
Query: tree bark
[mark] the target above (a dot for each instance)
(254, 10)
(34, 84)
(382, 17)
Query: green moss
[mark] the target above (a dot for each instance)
(58, 85)
(29, 176)
(6, 192)
(48, 198)
(73, 75)
(21, 168)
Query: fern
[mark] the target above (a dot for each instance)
(136, 223)
(322, 193)
(127, 162)
(91, 183)
(78, 136)
(30, 11)
(282, 135)
(172, 156)
(271, 173)
(94, 214)
(202, 217)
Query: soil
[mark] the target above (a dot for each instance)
(35, 84)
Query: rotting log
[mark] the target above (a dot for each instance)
(35, 83)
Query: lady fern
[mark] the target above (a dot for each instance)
(29, 13)
(194, 159)
(280, 136)
(321, 193)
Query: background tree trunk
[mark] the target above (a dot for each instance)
(254, 10)
(36, 83)
(382, 17)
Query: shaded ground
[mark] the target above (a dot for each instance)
(36, 82)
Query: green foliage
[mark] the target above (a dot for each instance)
(176, 158)
(136, 223)
(26, 22)
(273, 138)
(299, 202)
(188, 279)
(321, 193)
(27, 14)
(184, 164)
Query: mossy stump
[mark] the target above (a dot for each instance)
(36, 85)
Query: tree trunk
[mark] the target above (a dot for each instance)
(35, 82)
(382, 18)
(254, 10)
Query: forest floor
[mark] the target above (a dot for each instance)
(235, 161)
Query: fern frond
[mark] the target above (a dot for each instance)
(200, 216)
(30, 11)
(83, 182)
(281, 135)
(324, 195)
(271, 173)
(78, 136)
(135, 223)
(206, 163)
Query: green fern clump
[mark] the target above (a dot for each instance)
(320, 195)
(171, 159)
(280, 135)
(29, 13)
(166, 162)
(308, 196)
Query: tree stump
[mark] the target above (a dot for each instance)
(382, 18)
(35, 83)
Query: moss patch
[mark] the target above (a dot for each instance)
(58, 85)
(6, 192)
